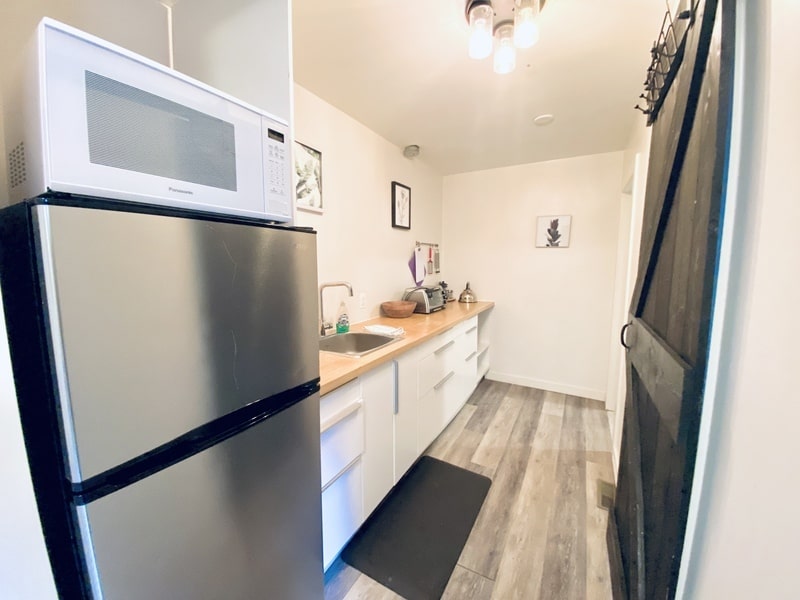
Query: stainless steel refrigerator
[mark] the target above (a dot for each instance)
(167, 375)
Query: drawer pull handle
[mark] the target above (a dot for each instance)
(396, 389)
(471, 356)
(447, 345)
(340, 416)
(443, 381)
(471, 329)
(349, 466)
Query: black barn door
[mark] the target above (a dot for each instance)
(670, 315)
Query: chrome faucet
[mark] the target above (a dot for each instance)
(325, 328)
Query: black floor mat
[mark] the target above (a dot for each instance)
(412, 542)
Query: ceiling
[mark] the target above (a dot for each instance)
(401, 68)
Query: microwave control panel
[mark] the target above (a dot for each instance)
(276, 175)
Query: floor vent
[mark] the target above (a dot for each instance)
(605, 494)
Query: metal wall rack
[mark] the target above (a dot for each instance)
(667, 55)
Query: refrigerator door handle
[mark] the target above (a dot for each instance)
(189, 444)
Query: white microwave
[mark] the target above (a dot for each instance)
(94, 119)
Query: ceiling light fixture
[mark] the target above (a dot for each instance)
(517, 27)
(481, 28)
(411, 151)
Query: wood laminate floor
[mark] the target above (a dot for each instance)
(540, 532)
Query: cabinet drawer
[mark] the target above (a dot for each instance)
(433, 414)
(342, 441)
(468, 377)
(334, 402)
(469, 367)
(466, 343)
(342, 511)
(436, 365)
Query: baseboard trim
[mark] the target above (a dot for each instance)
(550, 386)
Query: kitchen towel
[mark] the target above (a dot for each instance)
(385, 330)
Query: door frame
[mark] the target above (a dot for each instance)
(616, 389)
(743, 168)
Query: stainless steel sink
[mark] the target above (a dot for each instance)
(355, 344)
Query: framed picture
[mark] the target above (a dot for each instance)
(401, 206)
(553, 231)
(308, 187)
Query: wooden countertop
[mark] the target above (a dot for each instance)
(337, 369)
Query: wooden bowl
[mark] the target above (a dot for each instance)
(398, 309)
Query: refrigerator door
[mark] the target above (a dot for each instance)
(240, 520)
(160, 324)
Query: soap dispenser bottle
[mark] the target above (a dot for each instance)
(343, 321)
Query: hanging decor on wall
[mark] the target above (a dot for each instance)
(667, 55)
(308, 168)
(401, 206)
(553, 231)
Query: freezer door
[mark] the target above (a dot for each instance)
(160, 324)
(239, 521)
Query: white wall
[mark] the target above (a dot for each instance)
(241, 47)
(355, 239)
(551, 324)
(17, 22)
(139, 26)
(744, 524)
(24, 566)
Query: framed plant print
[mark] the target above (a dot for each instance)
(553, 231)
(308, 168)
(401, 206)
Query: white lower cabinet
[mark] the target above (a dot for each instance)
(466, 366)
(342, 439)
(374, 428)
(342, 511)
(377, 389)
(436, 371)
(433, 412)
(484, 328)
(356, 455)
(342, 442)
(446, 379)
(405, 413)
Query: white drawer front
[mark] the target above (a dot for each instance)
(471, 323)
(433, 415)
(342, 441)
(342, 512)
(334, 402)
(436, 365)
(466, 344)
(469, 369)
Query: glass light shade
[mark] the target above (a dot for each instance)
(526, 30)
(481, 23)
(505, 57)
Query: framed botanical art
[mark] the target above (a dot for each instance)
(308, 168)
(401, 206)
(553, 231)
